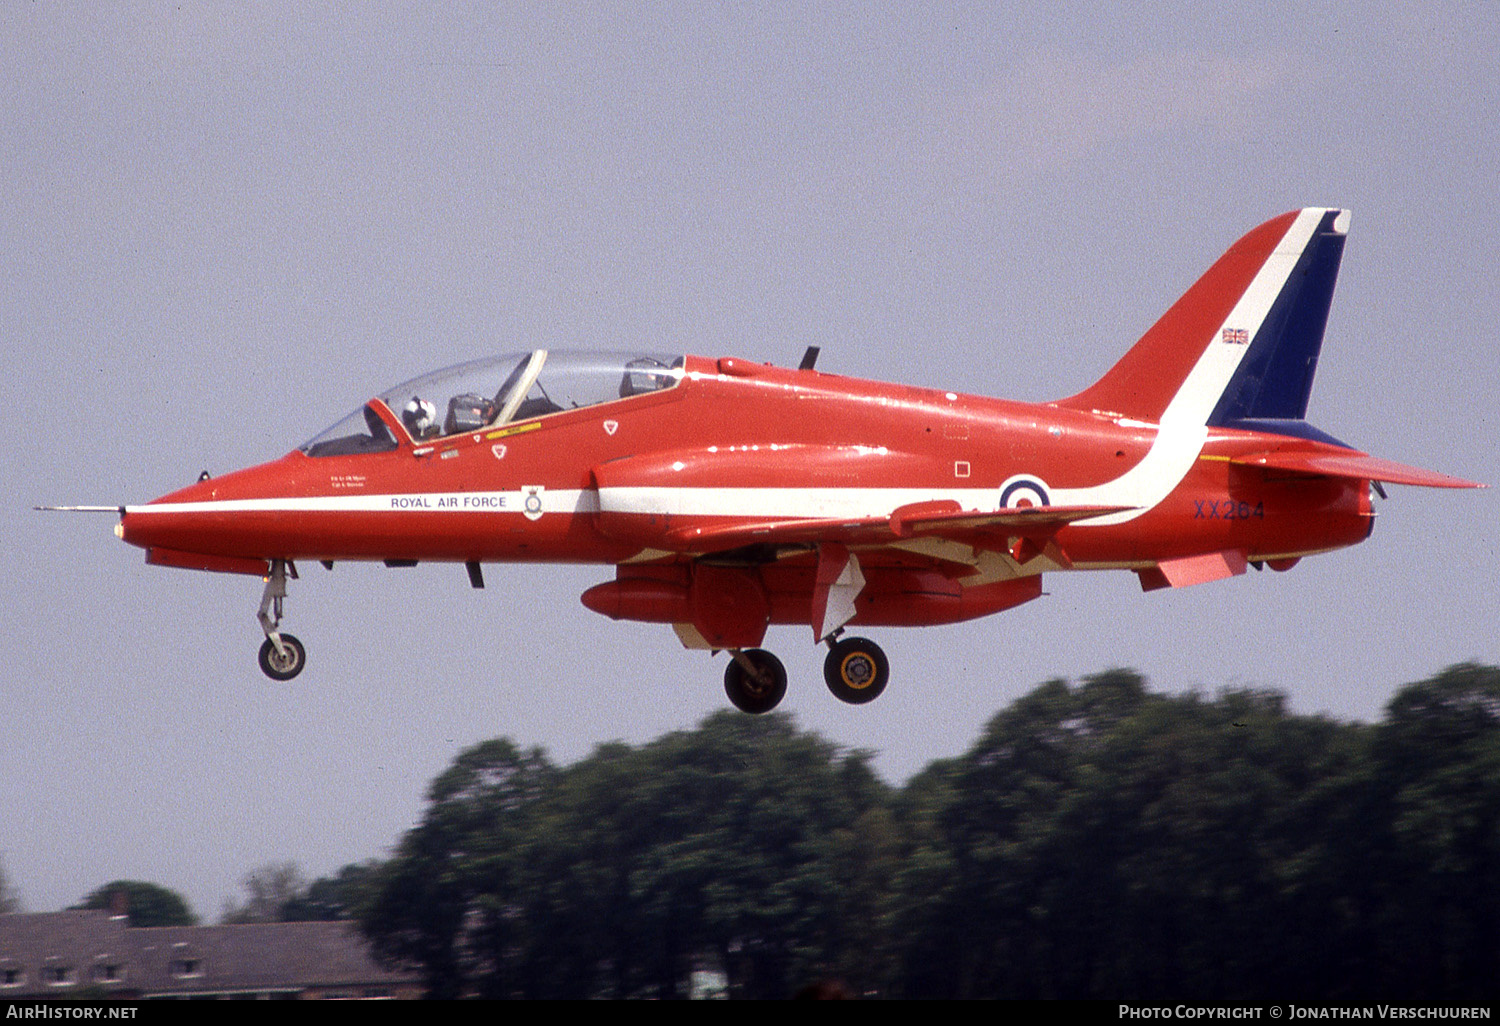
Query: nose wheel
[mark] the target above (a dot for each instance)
(283, 664)
(282, 656)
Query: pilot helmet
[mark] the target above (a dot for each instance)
(419, 416)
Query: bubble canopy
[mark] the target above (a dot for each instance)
(497, 390)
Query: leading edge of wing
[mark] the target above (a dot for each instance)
(941, 518)
(1352, 465)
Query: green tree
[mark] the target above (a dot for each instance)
(1099, 841)
(753, 847)
(340, 896)
(145, 904)
(742, 846)
(10, 900)
(1096, 841)
(1437, 765)
(1180, 824)
(972, 928)
(449, 901)
(269, 889)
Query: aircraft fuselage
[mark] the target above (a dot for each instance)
(733, 441)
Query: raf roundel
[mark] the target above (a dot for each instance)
(1023, 490)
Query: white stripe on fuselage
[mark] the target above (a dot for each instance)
(559, 501)
(1183, 430)
(791, 503)
(832, 503)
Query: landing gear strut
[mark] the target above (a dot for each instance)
(856, 670)
(281, 655)
(754, 680)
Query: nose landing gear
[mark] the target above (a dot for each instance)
(281, 655)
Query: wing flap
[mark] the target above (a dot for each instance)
(718, 537)
(1023, 521)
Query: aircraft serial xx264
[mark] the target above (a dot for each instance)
(730, 495)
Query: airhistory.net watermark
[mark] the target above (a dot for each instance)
(43, 1010)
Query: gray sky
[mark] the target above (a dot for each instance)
(223, 226)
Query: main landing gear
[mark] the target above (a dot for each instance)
(754, 680)
(855, 670)
(281, 655)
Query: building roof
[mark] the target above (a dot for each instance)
(64, 952)
(256, 956)
(56, 952)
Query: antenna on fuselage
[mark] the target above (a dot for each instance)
(808, 358)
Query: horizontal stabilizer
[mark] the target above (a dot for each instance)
(1351, 465)
(942, 518)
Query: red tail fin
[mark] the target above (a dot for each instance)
(1243, 341)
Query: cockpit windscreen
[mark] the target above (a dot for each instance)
(487, 393)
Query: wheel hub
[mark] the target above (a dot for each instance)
(858, 671)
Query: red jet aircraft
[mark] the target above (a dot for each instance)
(730, 495)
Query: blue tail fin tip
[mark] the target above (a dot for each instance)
(1275, 378)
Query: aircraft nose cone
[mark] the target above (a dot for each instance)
(161, 521)
(228, 523)
(133, 529)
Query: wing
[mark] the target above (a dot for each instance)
(723, 554)
(814, 570)
(839, 580)
(943, 519)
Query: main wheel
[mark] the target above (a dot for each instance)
(759, 693)
(856, 671)
(279, 666)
